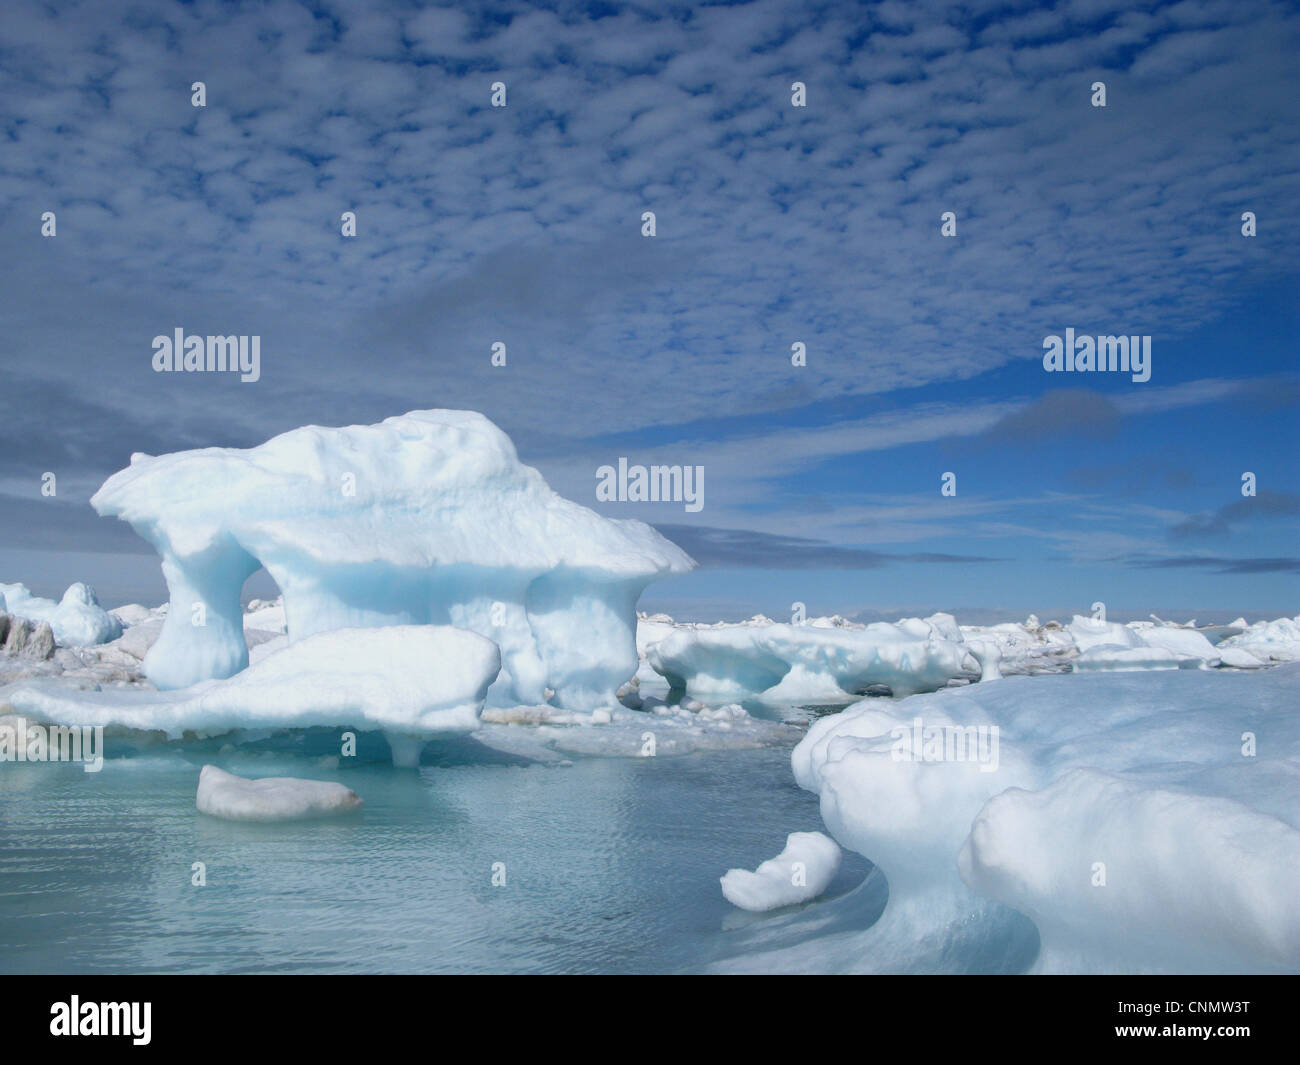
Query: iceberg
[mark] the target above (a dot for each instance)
(425, 518)
(799, 873)
(222, 794)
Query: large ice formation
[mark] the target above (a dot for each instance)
(426, 518)
(1133, 818)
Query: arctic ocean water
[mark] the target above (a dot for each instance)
(611, 864)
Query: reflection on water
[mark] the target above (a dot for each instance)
(611, 865)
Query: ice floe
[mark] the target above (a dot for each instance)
(800, 872)
(222, 794)
(410, 681)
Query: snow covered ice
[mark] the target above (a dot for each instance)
(76, 619)
(1131, 817)
(808, 663)
(426, 518)
(411, 681)
(222, 794)
(800, 872)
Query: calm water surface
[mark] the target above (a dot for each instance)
(611, 864)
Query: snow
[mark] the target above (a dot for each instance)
(1275, 641)
(1239, 658)
(799, 873)
(1110, 657)
(77, 619)
(828, 660)
(412, 681)
(989, 656)
(426, 518)
(806, 663)
(1092, 632)
(1157, 777)
(222, 794)
(1191, 882)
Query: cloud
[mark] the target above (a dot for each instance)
(712, 546)
(522, 225)
(1265, 505)
(1222, 565)
(1063, 414)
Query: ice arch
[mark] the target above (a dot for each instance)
(425, 518)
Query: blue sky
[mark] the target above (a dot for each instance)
(775, 224)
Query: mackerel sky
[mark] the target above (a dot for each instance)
(775, 225)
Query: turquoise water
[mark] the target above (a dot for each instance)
(611, 864)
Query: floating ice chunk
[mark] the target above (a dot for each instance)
(415, 680)
(77, 619)
(425, 518)
(223, 794)
(800, 872)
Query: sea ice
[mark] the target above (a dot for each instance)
(1268, 641)
(426, 518)
(1144, 822)
(411, 681)
(1107, 656)
(222, 794)
(77, 619)
(807, 663)
(800, 872)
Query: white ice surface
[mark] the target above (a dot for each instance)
(807, 663)
(1106, 656)
(414, 680)
(1276, 641)
(222, 794)
(800, 872)
(77, 619)
(1181, 784)
(426, 518)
